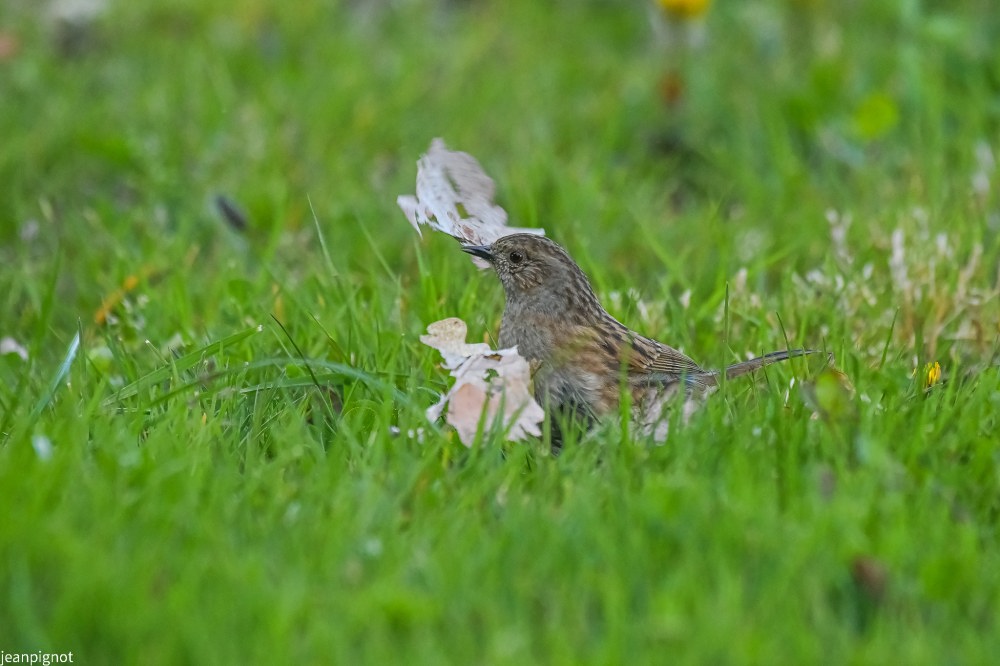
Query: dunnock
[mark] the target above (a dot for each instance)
(582, 356)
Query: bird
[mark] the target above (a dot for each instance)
(583, 359)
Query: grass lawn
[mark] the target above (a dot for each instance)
(197, 453)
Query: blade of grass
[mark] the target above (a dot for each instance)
(322, 239)
(61, 372)
(185, 362)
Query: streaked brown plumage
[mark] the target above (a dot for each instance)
(580, 352)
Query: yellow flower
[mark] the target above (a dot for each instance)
(932, 374)
(684, 9)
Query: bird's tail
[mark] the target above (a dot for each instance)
(746, 367)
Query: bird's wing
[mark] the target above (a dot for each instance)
(653, 358)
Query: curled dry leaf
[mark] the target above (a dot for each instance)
(496, 383)
(455, 196)
(448, 337)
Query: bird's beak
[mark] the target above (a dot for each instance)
(481, 251)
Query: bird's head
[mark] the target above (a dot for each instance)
(536, 270)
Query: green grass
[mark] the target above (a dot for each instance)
(186, 488)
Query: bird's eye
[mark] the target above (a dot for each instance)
(516, 257)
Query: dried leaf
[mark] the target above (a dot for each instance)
(448, 337)
(11, 346)
(652, 414)
(494, 383)
(455, 196)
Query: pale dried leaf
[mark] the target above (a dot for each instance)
(455, 196)
(465, 407)
(652, 415)
(448, 337)
(499, 383)
(494, 385)
(11, 346)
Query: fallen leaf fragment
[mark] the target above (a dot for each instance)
(448, 337)
(487, 382)
(455, 196)
(11, 346)
(653, 413)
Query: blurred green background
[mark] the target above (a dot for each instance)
(734, 176)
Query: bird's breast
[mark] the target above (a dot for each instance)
(535, 337)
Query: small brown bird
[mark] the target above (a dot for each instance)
(583, 357)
